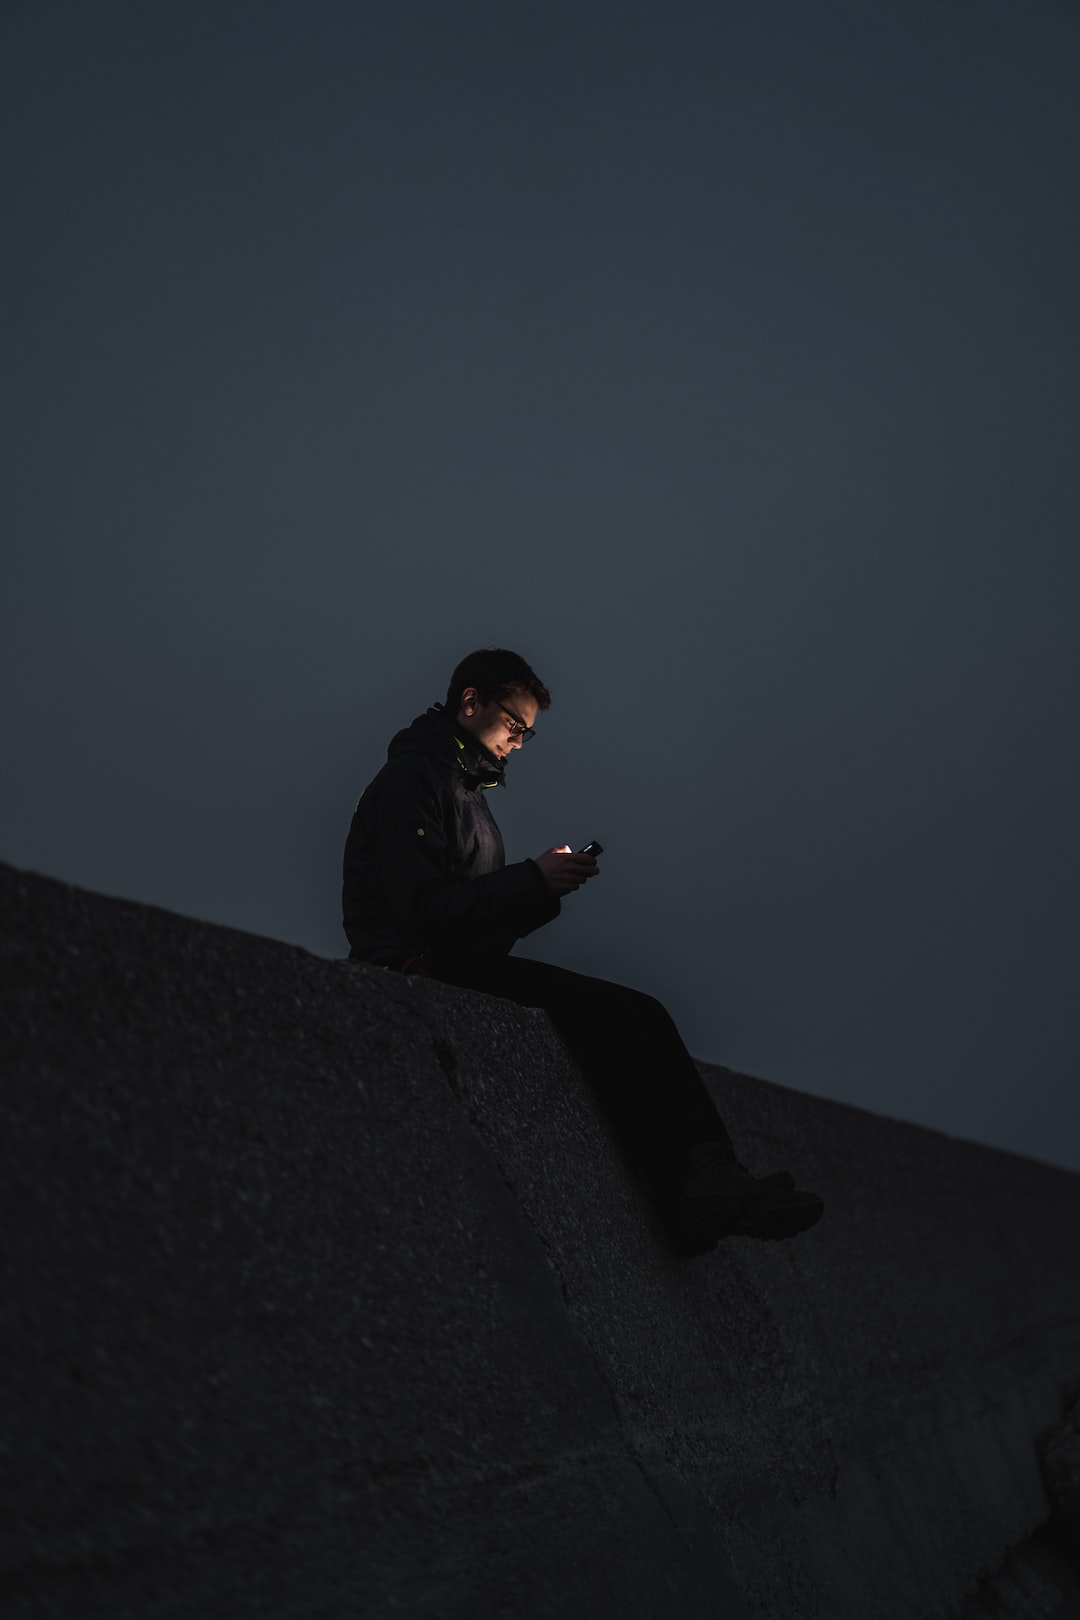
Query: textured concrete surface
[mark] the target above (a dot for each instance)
(326, 1294)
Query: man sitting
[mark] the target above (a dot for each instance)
(427, 889)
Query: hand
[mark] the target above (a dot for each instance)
(564, 871)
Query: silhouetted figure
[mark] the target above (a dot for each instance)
(427, 890)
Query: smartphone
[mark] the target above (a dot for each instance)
(594, 849)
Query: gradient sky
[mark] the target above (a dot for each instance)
(721, 358)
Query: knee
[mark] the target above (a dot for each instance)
(647, 1009)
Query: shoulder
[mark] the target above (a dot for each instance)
(415, 776)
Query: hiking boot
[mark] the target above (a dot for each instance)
(720, 1198)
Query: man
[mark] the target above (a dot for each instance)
(427, 889)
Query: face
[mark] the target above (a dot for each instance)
(493, 724)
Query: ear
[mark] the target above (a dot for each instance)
(470, 700)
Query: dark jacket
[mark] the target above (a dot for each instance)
(424, 864)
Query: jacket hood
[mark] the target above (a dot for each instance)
(434, 734)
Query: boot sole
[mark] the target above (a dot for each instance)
(707, 1220)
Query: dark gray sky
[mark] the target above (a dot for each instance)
(721, 358)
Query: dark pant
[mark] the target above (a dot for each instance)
(627, 1046)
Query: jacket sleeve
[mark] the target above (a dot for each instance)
(411, 824)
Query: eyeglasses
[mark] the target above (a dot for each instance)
(517, 726)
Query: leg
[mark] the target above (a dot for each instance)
(629, 1050)
(648, 1085)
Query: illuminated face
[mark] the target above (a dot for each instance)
(499, 726)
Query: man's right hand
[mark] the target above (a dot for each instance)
(564, 871)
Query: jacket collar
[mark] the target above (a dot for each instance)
(481, 769)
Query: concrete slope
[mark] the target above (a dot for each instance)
(325, 1293)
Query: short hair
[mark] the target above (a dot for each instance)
(496, 673)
